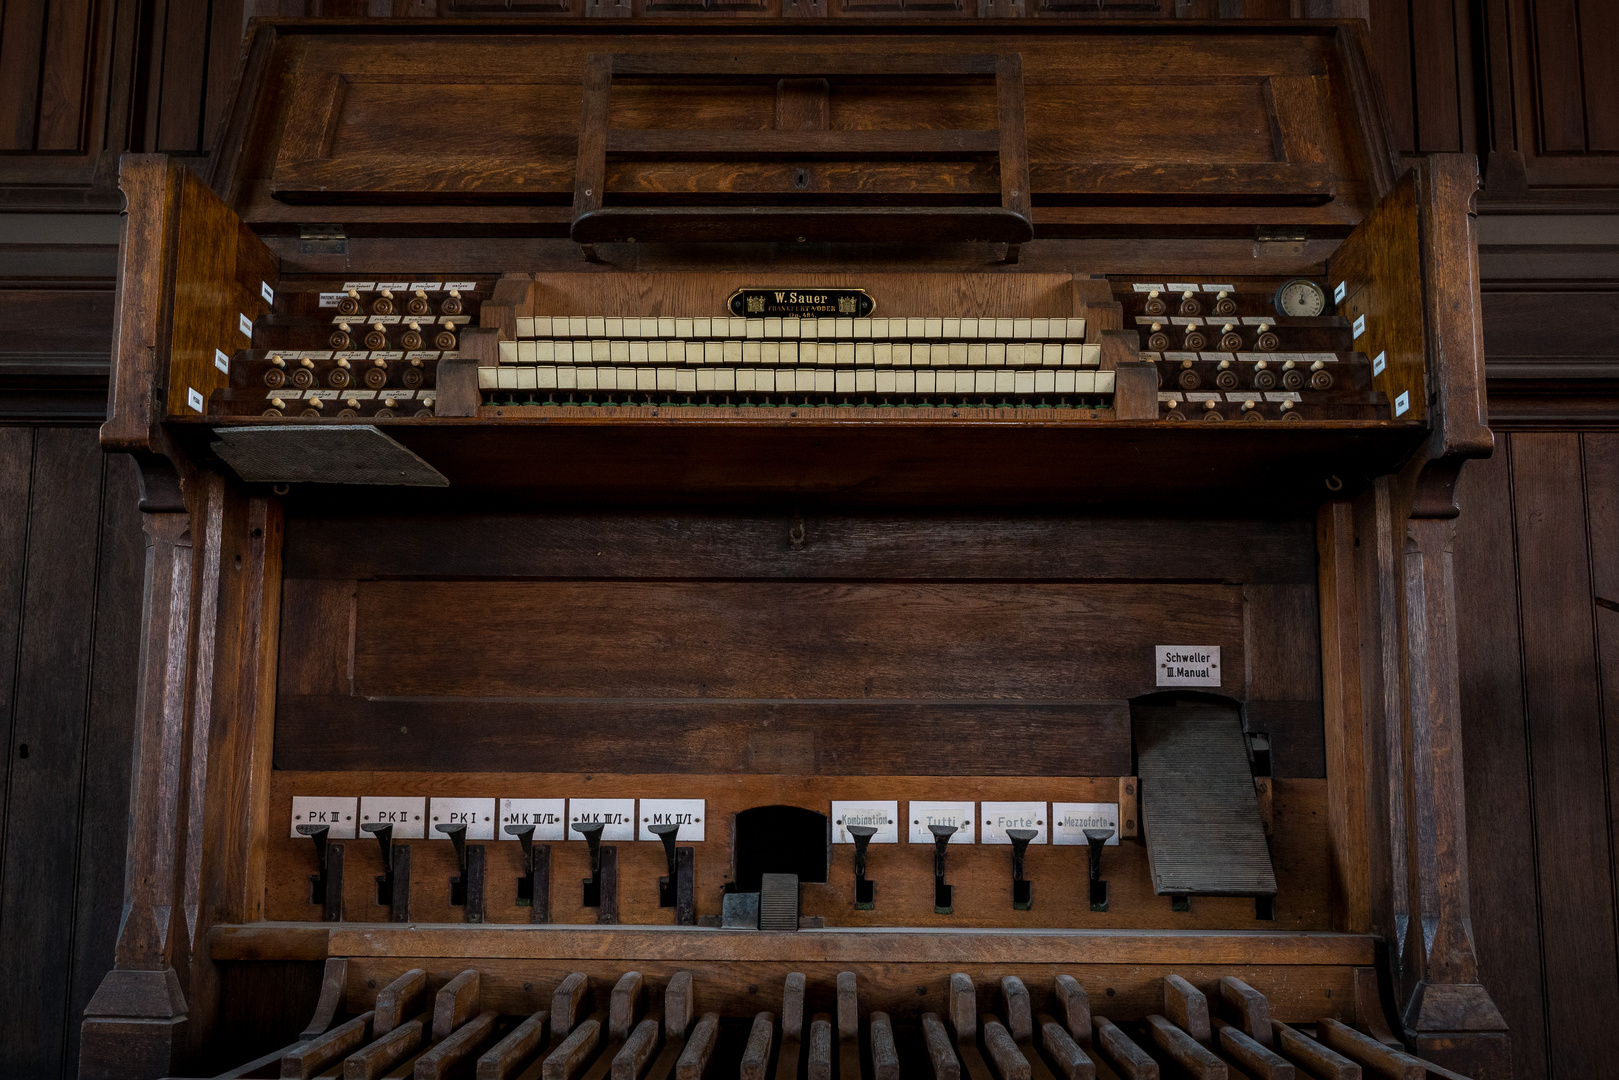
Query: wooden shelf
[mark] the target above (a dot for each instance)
(318, 941)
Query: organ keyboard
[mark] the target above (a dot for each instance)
(843, 553)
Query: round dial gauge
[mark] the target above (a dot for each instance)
(1301, 297)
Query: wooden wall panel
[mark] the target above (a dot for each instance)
(1500, 834)
(1565, 743)
(1539, 645)
(70, 584)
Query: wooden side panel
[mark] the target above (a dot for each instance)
(1501, 836)
(1561, 692)
(218, 267)
(1378, 268)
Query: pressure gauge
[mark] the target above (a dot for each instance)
(1301, 297)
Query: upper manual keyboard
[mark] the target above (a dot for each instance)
(873, 362)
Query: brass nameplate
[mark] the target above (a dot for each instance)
(771, 303)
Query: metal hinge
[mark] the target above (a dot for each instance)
(322, 240)
(1280, 239)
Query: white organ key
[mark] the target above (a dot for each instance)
(1064, 382)
(1051, 355)
(844, 328)
(685, 379)
(732, 352)
(756, 328)
(865, 380)
(882, 354)
(639, 352)
(725, 378)
(863, 353)
(1045, 381)
(1039, 328)
(746, 379)
(565, 377)
(843, 381)
(618, 351)
(879, 328)
(862, 328)
(751, 351)
(612, 328)
(772, 328)
(584, 377)
(984, 382)
(1004, 328)
(885, 380)
(1004, 380)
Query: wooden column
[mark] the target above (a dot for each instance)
(136, 1021)
(1448, 1015)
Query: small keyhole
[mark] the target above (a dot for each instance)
(801, 179)
(22, 750)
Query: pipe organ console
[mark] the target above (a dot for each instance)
(869, 552)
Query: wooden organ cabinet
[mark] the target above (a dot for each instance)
(851, 551)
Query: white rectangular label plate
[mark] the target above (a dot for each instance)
(883, 815)
(478, 815)
(1071, 819)
(548, 816)
(689, 814)
(1188, 665)
(404, 813)
(618, 814)
(997, 817)
(330, 810)
(920, 815)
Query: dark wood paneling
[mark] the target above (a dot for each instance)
(789, 640)
(71, 563)
(325, 542)
(47, 749)
(1067, 738)
(1500, 835)
(109, 733)
(1566, 751)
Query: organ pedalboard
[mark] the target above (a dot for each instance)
(784, 551)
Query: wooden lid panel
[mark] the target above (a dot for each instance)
(1193, 129)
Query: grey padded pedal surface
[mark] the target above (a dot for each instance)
(351, 454)
(1204, 834)
(778, 901)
